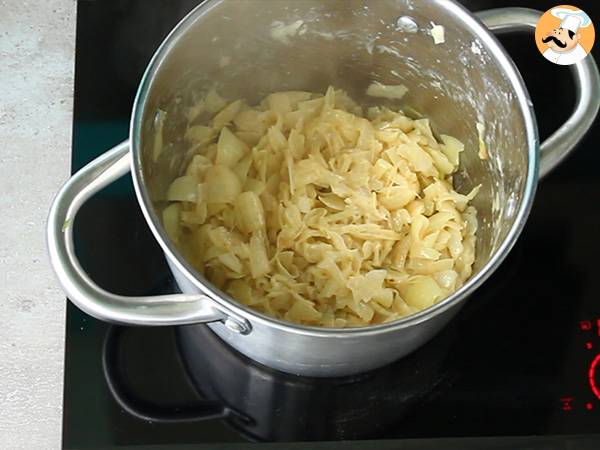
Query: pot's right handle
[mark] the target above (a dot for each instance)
(587, 84)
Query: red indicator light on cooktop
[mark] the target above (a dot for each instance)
(592, 376)
(588, 345)
(585, 325)
(589, 406)
(566, 403)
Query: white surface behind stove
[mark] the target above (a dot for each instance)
(37, 41)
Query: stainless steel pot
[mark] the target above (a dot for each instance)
(468, 79)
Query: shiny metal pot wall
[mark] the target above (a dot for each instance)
(243, 48)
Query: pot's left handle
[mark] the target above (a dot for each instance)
(176, 309)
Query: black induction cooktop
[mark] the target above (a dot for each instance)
(516, 369)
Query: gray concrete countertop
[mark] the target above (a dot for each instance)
(37, 41)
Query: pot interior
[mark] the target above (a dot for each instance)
(249, 48)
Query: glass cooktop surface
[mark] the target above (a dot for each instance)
(518, 362)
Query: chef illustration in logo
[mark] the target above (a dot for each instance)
(562, 35)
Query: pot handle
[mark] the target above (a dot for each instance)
(587, 84)
(175, 309)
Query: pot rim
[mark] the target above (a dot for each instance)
(500, 57)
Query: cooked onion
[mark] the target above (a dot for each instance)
(308, 211)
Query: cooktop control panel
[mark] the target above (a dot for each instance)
(582, 390)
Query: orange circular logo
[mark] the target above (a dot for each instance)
(564, 35)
